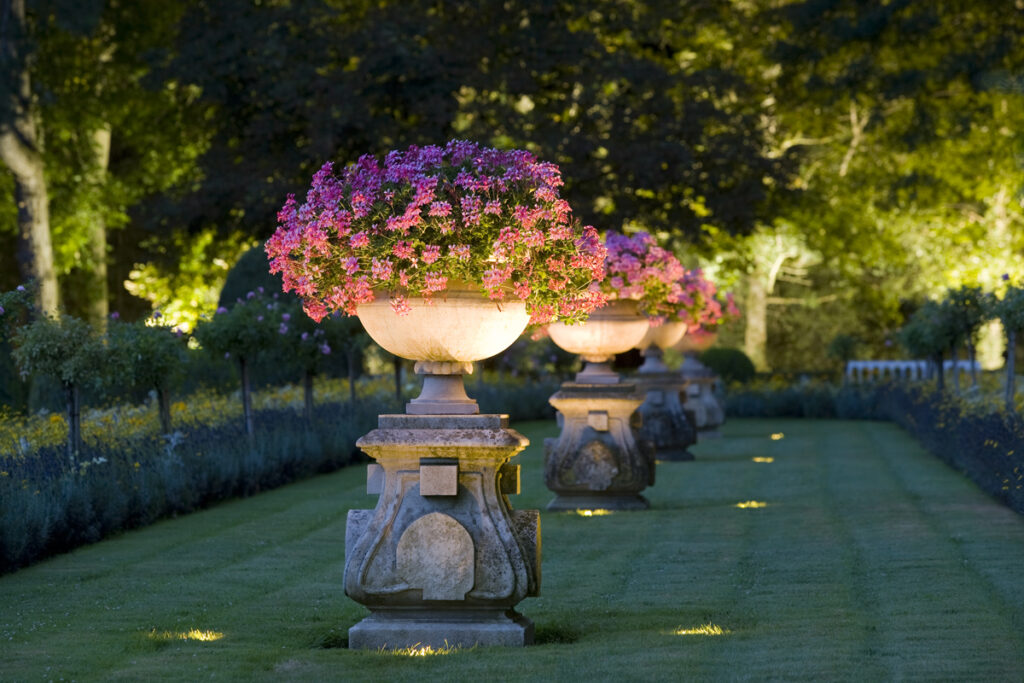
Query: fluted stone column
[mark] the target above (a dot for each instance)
(443, 558)
(598, 462)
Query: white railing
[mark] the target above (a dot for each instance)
(858, 371)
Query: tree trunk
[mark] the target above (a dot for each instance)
(1011, 371)
(21, 152)
(755, 337)
(350, 358)
(97, 292)
(939, 374)
(307, 395)
(246, 397)
(955, 352)
(163, 400)
(970, 359)
(74, 446)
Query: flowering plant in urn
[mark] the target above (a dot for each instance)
(715, 308)
(427, 217)
(481, 230)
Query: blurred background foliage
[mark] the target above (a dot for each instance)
(834, 163)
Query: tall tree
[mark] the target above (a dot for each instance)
(21, 151)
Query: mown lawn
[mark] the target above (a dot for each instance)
(870, 561)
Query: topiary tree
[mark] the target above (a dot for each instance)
(154, 356)
(929, 333)
(843, 348)
(248, 329)
(308, 343)
(67, 349)
(732, 365)
(967, 310)
(1010, 310)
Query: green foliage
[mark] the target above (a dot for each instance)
(930, 331)
(1010, 308)
(154, 355)
(15, 308)
(244, 331)
(732, 365)
(843, 347)
(249, 274)
(968, 308)
(66, 349)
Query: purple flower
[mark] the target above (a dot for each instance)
(286, 317)
(227, 355)
(1006, 277)
(259, 318)
(21, 288)
(115, 315)
(157, 314)
(221, 309)
(325, 349)
(283, 329)
(250, 295)
(305, 336)
(1, 310)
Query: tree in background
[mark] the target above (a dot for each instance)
(1010, 309)
(153, 356)
(67, 349)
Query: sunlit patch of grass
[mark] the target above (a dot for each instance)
(763, 459)
(418, 650)
(194, 634)
(778, 436)
(593, 513)
(747, 504)
(702, 630)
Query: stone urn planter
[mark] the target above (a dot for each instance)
(664, 420)
(443, 558)
(699, 391)
(598, 462)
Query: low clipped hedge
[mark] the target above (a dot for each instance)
(980, 439)
(49, 506)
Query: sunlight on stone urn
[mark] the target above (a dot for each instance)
(445, 337)
(443, 558)
(597, 462)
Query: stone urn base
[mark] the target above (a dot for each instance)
(664, 422)
(439, 629)
(597, 462)
(700, 397)
(443, 558)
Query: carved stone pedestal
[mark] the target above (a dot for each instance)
(664, 422)
(700, 397)
(443, 558)
(597, 462)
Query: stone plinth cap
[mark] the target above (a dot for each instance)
(442, 421)
(574, 389)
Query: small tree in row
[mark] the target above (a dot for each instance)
(1010, 310)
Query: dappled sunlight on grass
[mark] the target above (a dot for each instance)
(751, 504)
(593, 513)
(762, 459)
(778, 436)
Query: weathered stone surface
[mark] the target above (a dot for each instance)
(435, 554)
(441, 556)
(665, 424)
(438, 479)
(700, 396)
(440, 629)
(597, 453)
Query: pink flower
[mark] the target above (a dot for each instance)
(460, 251)
(351, 265)
(381, 269)
(440, 209)
(400, 305)
(404, 250)
(430, 253)
(359, 240)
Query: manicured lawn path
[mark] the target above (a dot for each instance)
(870, 561)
